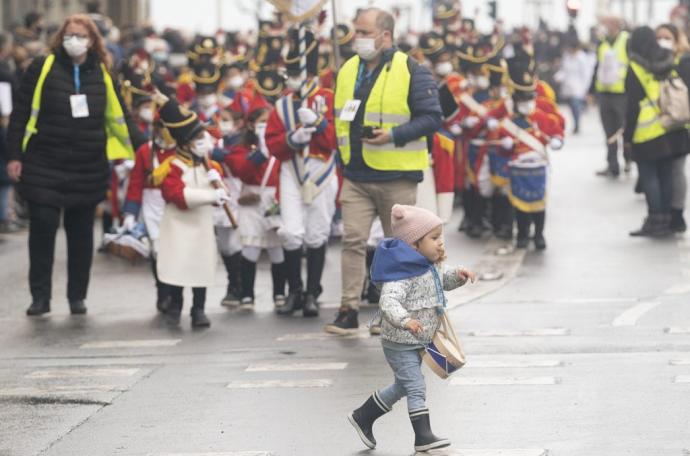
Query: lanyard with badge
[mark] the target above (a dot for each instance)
(349, 111)
(80, 107)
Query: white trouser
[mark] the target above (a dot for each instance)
(228, 240)
(302, 223)
(484, 184)
(252, 253)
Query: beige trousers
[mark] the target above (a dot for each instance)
(361, 202)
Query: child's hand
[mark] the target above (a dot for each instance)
(414, 326)
(466, 274)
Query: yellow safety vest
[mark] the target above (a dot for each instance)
(620, 48)
(386, 108)
(649, 124)
(118, 146)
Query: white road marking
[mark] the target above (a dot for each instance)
(682, 379)
(362, 334)
(677, 330)
(249, 384)
(81, 373)
(517, 364)
(630, 316)
(523, 333)
(295, 367)
(479, 381)
(60, 390)
(679, 362)
(486, 452)
(678, 289)
(147, 343)
(230, 453)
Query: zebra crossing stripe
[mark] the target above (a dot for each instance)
(523, 333)
(362, 334)
(147, 343)
(61, 390)
(513, 364)
(682, 379)
(256, 384)
(630, 316)
(227, 453)
(295, 367)
(498, 381)
(487, 452)
(81, 373)
(679, 362)
(677, 330)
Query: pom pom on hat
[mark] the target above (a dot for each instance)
(411, 223)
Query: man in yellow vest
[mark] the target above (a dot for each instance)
(612, 68)
(386, 108)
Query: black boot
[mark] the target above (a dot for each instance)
(199, 318)
(504, 217)
(523, 222)
(539, 220)
(656, 225)
(278, 276)
(678, 224)
(293, 270)
(38, 307)
(363, 418)
(468, 206)
(345, 323)
(424, 439)
(316, 260)
(77, 307)
(476, 225)
(174, 311)
(248, 273)
(232, 267)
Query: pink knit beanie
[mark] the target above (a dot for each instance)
(411, 223)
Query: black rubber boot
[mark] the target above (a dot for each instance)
(172, 315)
(199, 318)
(476, 225)
(278, 278)
(504, 217)
(232, 267)
(539, 220)
(523, 223)
(363, 418)
(468, 206)
(162, 293)
(38, 307)
(316, 260)
(248, 274)
(678, 224)
(293, 270)
(424, 439)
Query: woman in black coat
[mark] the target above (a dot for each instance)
(654, 158)
(64, 169)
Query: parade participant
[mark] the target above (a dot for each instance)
(301, 135)
(609, 80)
(187, 247)
(525, 137)
(68, 121)
(382, 143)
(251, 162)
(235, 77)
(410, 267)
(144, 197)
(204, 50)
(652, 143)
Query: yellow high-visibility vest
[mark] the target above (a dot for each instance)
(620, 48)
(386, 108)
(649, 124)
(118, 145)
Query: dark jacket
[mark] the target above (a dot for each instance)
(65, 163)
(425, 120)
(671, 145)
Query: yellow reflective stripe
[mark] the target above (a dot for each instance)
(375, 117)
(30, 128)
(414, 146)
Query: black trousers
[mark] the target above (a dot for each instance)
(44, 222)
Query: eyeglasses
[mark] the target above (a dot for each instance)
(75, 35)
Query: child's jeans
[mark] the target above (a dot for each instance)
(409, 381)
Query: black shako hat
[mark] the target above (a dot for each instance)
(182, 123)
(292, 61)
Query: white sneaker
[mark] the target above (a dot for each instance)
(247, 303)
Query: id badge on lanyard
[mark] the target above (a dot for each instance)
(78, 102)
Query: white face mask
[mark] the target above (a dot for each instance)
(365, 48)
(202, 147)
(206, 101)
(146, 114)
(444, 68)
(226, 127)
(75, 46)
(236, 82)
(665, 43)
(526, 107)
(293, 83)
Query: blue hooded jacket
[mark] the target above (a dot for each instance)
(395, 259)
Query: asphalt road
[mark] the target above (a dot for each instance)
(583, 349)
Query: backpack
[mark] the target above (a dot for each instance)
(674, 102)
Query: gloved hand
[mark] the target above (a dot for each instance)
(213, 176)
(455, 129)
(307, 117)
(471, 121)
(129, 222)
(492, 124)
(221, 196)
(302, 135)
(507, 143)
(556, 143)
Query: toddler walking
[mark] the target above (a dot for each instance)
(410, 268)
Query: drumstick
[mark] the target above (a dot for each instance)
(217, 185)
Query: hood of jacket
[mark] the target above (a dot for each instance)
(394, 259)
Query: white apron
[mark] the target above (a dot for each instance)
(152, 207)
(255, 229)
(187, 253)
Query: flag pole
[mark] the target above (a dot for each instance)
(334, 36)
